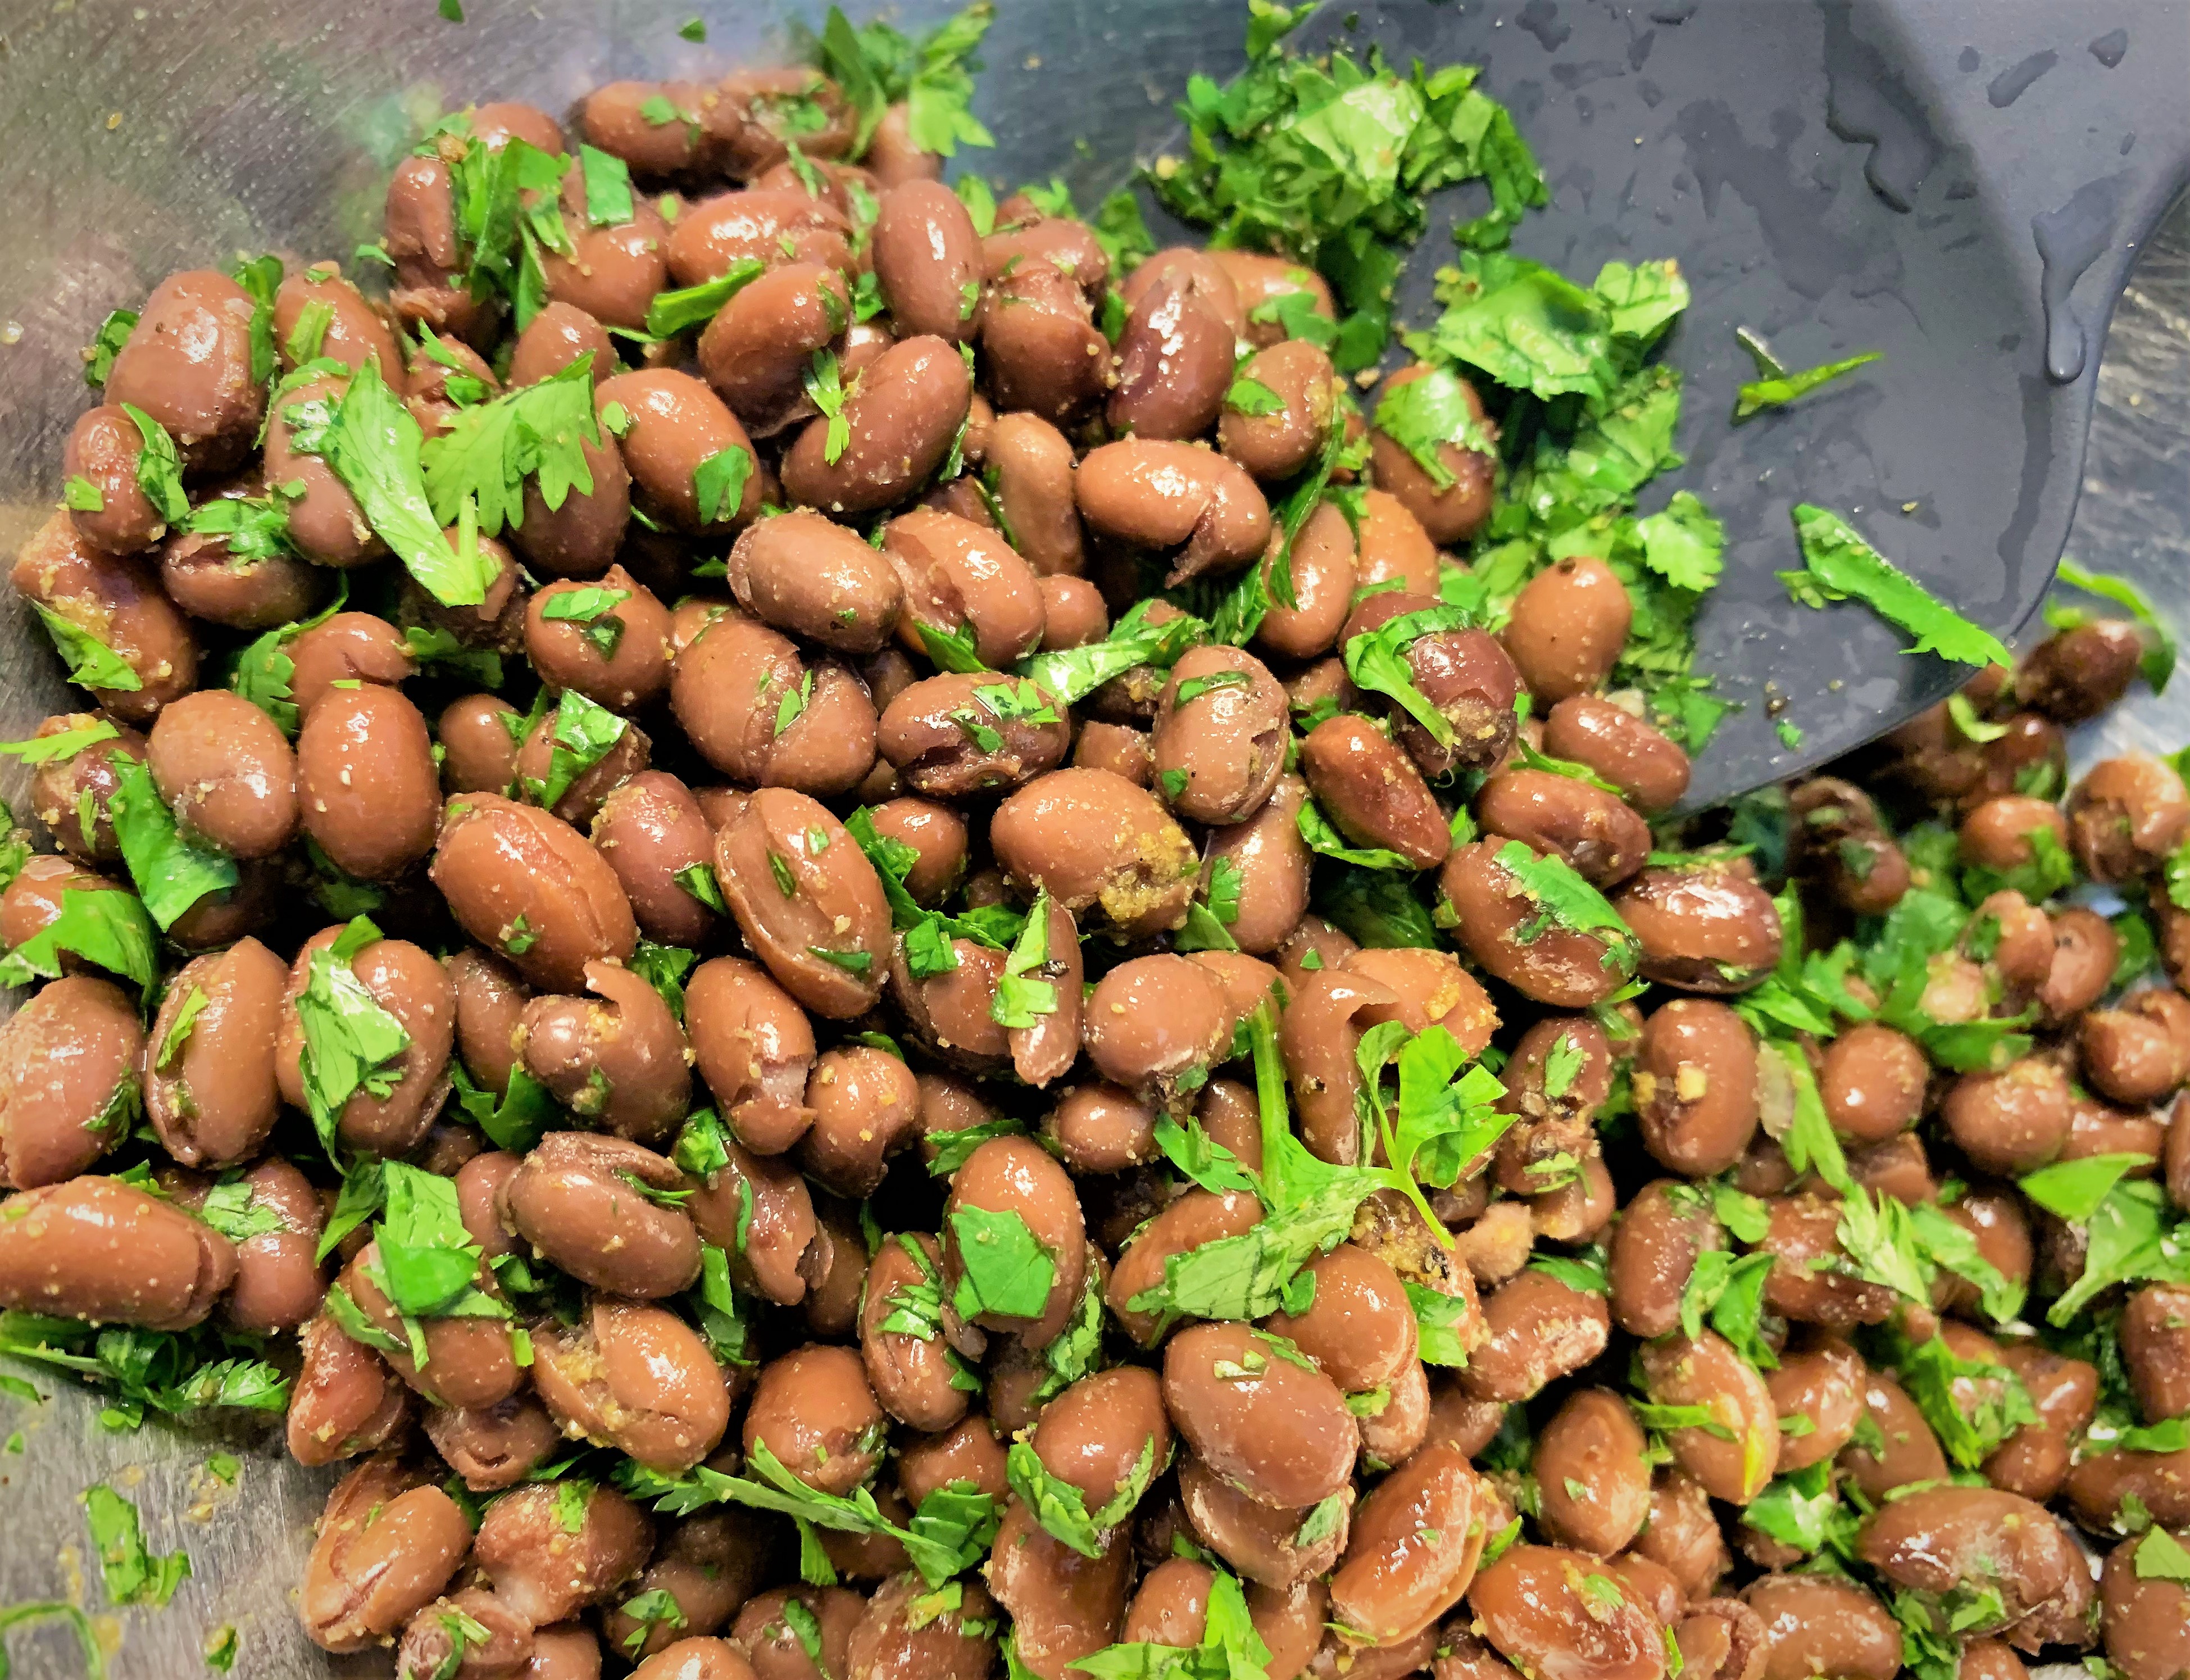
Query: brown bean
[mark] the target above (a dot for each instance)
(2155, 1346)
(1696, 1087)
(1937, 1540)
(1319, 564)
(758, 352)
(1162, 495)
(1100, 1128)
(953, 735)
(1825, 1386)
(103, 449)
(1261, 1541)
(2013, 1121)
(210, 1089)
(461, 1362)
(2126, 817)
(388, 1542)
(678, 437)
(203, 576)
(115, 600)
(1594, 1479)
(1280, 1434)
(807, 901)
(917, 1378)
(1567, 628)
(581, 1201)
(1705, 1370)
(1453, 503)
(1707, 929)
(1103, 1434)
(1598, 834)
(578, 535)
(2034, 1461)
(2138, 1053)
(773, 227)
(1566, 967)
(940, 837)
(2145, 1617)
(1014, 1175)
(1278, 444)
(928, 259)
(188, 364)
(1540, 1607)
(892, 1641)
(68, 1078)
(349, 647)
(435, 1638)
(960, 578)
(804, 574)
(345, 1400)
(527, 886)
(754, 1047)
(2086, 949)
(1394, 547)
(1814, 1624)
(655, 837)
(733, 685)
(1374, 796)
(813, 1409)
(613, 271)
(866, 1107)
(767, 1247)
(1157, 1025)
(342, 326)
(905, 409)
(225, 768)
(1359, 1327)
(545, 1570)
(412, 987)
(2075, 675)
(1063, 1606)
(368, 789)
(1909, 1452)
(1097, 844)
(1223, 743)
(1026, 466)
(65, 792)
(609, 640)
(1196, 1218)
(634, 1378)
(1653, 1251)
(620, 1062)
(1539, 1329)
(1648, 769)
(494, 1447)
(1174, 358)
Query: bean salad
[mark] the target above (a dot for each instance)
(854, 931)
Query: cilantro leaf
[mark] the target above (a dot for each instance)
(2074, 1189)
(1683, 544)
(91, 663)
(109, 928)
(608, 187)
(584, 733)
(679, 311)
(719, 483)
(1526, 326)
(1782, 389)
(487, 450)
(2161, 1557)
(1073, 673)
(174, 1372)
(1840, 566)
(132, 1574)
(1322, 838)
(1020, 1001)
(1378, 660)
(1564, 900)
(172, 873)
(1062, 1509)
(1201, 1157)
(159, 468)
(1004, 1269)
(1424, 413)
(106, 344)
(351, 1043)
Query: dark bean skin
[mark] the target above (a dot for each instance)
(545, 1571)
(1532, 1607)
(1702, 929)
(1815, 1624)
(116, 600)
(1139, 883)
(2099, 1487)
(1567, 629)
(478, 753)
(355, 332)
(388, 1542)
(928, 259)
(188, 365)
(2034, 1461)
(1807, 1284)
(1015, 1174)
(2010, 1122)
(619, 1063)
(1560, 967)
(224, 768)
(1170, 495)
(59, 788)
(1937, 1539)
(1466, 675)
(572, 1196)
(903, 415)
(1683, 1535)
(911, 1377)
(2074, 676)
(1600, 836)
(567, 652)
(1705, 1370)
(2086, 949)
(1594, 1444)
(498, 861)
(806, 574)
(1825, 1386)
(412, 987)
(1453, 506)
(2124, 816)
(2155, 1346)
(1039, 346)
(1539, 1329)
(1280, 1434)
(677, 424)
(35, 900)
(1032, 464)
(651, 830)
(215, 1099)
(103, 448)
(2146, 1622)
(368, 789)
(345, 1400)
(960, 1644)
(1371, 793)
(64, 1058)
(494, 1447)
(1174, 359)
(1227, 741)
(1911, 1451)
(616, 270)
(203, 576)
(1696, 1087)
(1100, 1128)
(422, 238)
(835, 904)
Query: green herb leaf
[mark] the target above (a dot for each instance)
(106, 343)
(159, 468)
(488, 451)
(1020, 1001)
(351, 1043)
(1683, 544)
(1062, 1509)
(1780, 390)
(132, 1574)
(584, 733)
(110, 929)
(1564, 900)
(2075, 1189)
(1433, 411)
(1004, 1269)
(608, 187)
(719, 483)
(1073, 673)
(1840, 566)
(2161, 1557)
(2158, 665)
(679, 311)
(1377, 661)
(90, 662)
(171, 872)
(1322, 838)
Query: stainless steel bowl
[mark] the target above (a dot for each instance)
(144, 137)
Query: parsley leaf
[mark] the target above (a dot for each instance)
(1020, 1001)
(1424, 413)
(1072, 674)
(351, 1043)
(1781, 389)
(106, 343)
(679, 311)
(824, 389)
(1839, 565)
(1683, 544)
(173, 1372)
(1378, 660)
(1564, 900)
(109, 928)
(172, 873)
(608, 187)
(1004, 1269)
(2161, 1557)
(719, 483)
(2074, 1189)
(91, 663)
(1327, 841)
(488, 450)
(132, 1574)
(1062, 1509)
(584, 733)
(877, 66)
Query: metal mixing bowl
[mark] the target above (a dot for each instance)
(144, 137)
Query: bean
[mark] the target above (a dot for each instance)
(582, 1202)
(64, 791)
(1277, 445)
(2013, 1121)
(2101, 1486)
(1939, 1540)
(413, 989)
(1162, 495)
(613, 271)
(1013, 1175)
(960, 580)
(388, 1542)
(804, 574)
(435, 1639)
(2074, 676)
(1705, 1370)
(2138, 1053)
(767, 1246)
(1908, 1451)
(1321, 565)
(616, 653)
(1222, 744)
(755, 1049)
(807, 901)
(735, 682)
(1453, 503)
(1696, 1087)
(1708, 929)
(114, 599)
(634, 1378)
(349, 647)
(1031, 465)
(1815, 1624)
(354, 333)
(1063, 1606)
(1599, 836)
(527, 886)
(1394, 547)
(1681, 1535)
(2034, 1460)
(1540, 1607)
(545, 1569)
(954, 735)
(866, 1107)
(465, 1362)
(210, 1089)
(187, 364)
(619, 1063)
(1374, 796)
(103, 449)
(887, 1645)
(1539, 1330)
(758, 351)
(656, 839)
(1810, 1282)
(2155, 1346)
(1156, 1025)
(813, 1409)
(368, 789)
(1174, 357)
(2085, 949)
(927, 260)
(579, 536)
(68, 1073)
(1196, 1218)
(1039, 346)
(1594, 1479)
(1565, 967)
(913, 1375)
(1567, 628)
(2145, 1618)
(225, 768)
(1098, 844)
(494, 1447)
(1101, 1433)
(1280, 1434)
(901, 418)
(345, 1400)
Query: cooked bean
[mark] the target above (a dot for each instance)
(1063, 1606)
(1196, 1218)
(98, 1249)
(736, 681)
(1277, 444)
(901, 417)
(893, 1640)
(226, 770)
(210, 1089)
(636, 1378)
(1937, 1540)
(1174, 356)
(388, 1542)
(1104, 1435)
(1566, 967)
(1600, 836)
(1040, 348)
(767, 1246)
(1540, 1606)
(1453, 501)
(103, 449)
(1706, 928)
(1539, 1329)
(465, 1362)
(1220, 735)
(1815, 1624)
(813, 1409)
(2145, 1614)
(2074, 676)
(494, 1447)
(927, 260)
(1096, 844)
(960, 579)
(866, 1106)
(806, 900)
(2013, 1121)
(1695, 1084)
(528, 886)
(953, 735)
(619, 1063)
(2155, 1346)
(1003, 1181)
(2086, 949)
(1373, 794)
(349, 647)
(412, 987)
(369, 793)
(1567, 628)
(1705, 1370)
(113, 599)
(1594, 1479)
(1170, 495)
(1413, 1548)
(187, 364)
(547, 1560)
(68, 1079)
(1280, 1434)
(583, 1201)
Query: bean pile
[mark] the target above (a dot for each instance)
(896, 1123)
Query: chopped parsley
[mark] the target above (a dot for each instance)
(1839, 566)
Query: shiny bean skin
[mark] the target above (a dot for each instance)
(103, 449)
(367, 787)
(759, 348)
(927, 260)
(494, 1447)
(1104, 849)
(1281, 1435)
(652, 831)
(813, 1409)
(413, 988)
(434, 1637)
(614, 270)
(1695, 1085)
(754, 1047)
(732, 683)
(1539, 1329)
(2155, 1346)
(1196, 1218)
(1040, 348)
(1322, 567)
(1063, 1606)
(187, 364)
(68, 1070)
(2034, 1461)
(2145, 1618)
(1032, 464)
(1590, 1467)
(912, 1376)
(954, 735)
(1817, 1624)
(388, 1542)
(1359, 1329)
(1705, 1370)
(1276, 445)
(212, 1094)
(958, 1644)
(1534, 1607)
(1016, 1175)
(866, 1107)
(345, 1400)
(1909, 1452)
(1413, 1548)
(1097, 1434)
(467, 1362)
(64, 790)
(1453, 503)
(1161, 494)
(1936, 1539)
(1261, 1541)
(636, 1378)
(903, 414)
(115, 600)
(629, 620)
(810, 576)
(1372, 794)
(765, 1632)
(96, 1248)
(527, 887)
(1394, 547)
(1598, 835)
(1226, 739)
(2011, 1122)
(958, 576)
(2086, 949)
(1155, 1023)
(203, 576)
(226, 770)
(1174, 358)
(1563, 967)
(545, 1570)
(576, 1201)
(349, 647)
(619, 1063)
(826, 938)
(1709, 929)
(1567, 628)
(778, 1233)
(939, 834)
